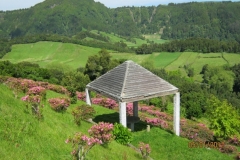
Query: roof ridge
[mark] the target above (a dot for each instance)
(125, 77)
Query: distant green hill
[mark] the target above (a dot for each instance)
(213, 20)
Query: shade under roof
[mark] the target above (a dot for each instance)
(130, 82)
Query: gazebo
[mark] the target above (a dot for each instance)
(130, 82)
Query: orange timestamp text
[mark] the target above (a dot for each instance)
(205, 144)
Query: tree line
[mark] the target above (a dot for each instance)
(192, 44)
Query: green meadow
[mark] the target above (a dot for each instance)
(46, 53)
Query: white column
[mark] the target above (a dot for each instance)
(122, 113)
(135, 108)
(88, 99)
(176, 116)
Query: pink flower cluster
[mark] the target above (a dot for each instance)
(91, 140)
(234, 140)
(59, 104)
(145, 108)
(157, 122)
(99, 100)
(58, 89)
(102, 131)
(145, 149)
(106, 102)
(35, 99)
(25, 84)
(228, 149)
(38, 90)
(81, 95)
(196, 132)
(129, 108)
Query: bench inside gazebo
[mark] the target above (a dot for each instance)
(130, 82)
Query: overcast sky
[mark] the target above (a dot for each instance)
(18, 4)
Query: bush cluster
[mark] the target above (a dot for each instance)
(59, 104)
(121, 134)
(82, 112)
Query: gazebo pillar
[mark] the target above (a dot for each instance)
(122, 113)
(176, 116)
(135, 113)
(88, 99)
(135, 108)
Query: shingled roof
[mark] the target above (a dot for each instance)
(130, 82)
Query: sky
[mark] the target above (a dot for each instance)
(20, 4)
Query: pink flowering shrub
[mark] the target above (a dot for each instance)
(145, 108)
(58, 89)
(81, 96)
(129, 108)
(234, 140)
(35, 98)
(157, 122)
(144, 149)
(196, 132)
(23, 85)
(228, 149)
(102, 131)
(109, 103)
(38, 90)
(81, 145)
(82, 112)
(105, 102)
(59, 104)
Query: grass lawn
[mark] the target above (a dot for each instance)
(46, 53)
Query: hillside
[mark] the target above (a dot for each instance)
(24, 137)
(213, 20)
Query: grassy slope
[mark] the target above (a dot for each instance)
(168, 146)
(45, 53)
(23, 137)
